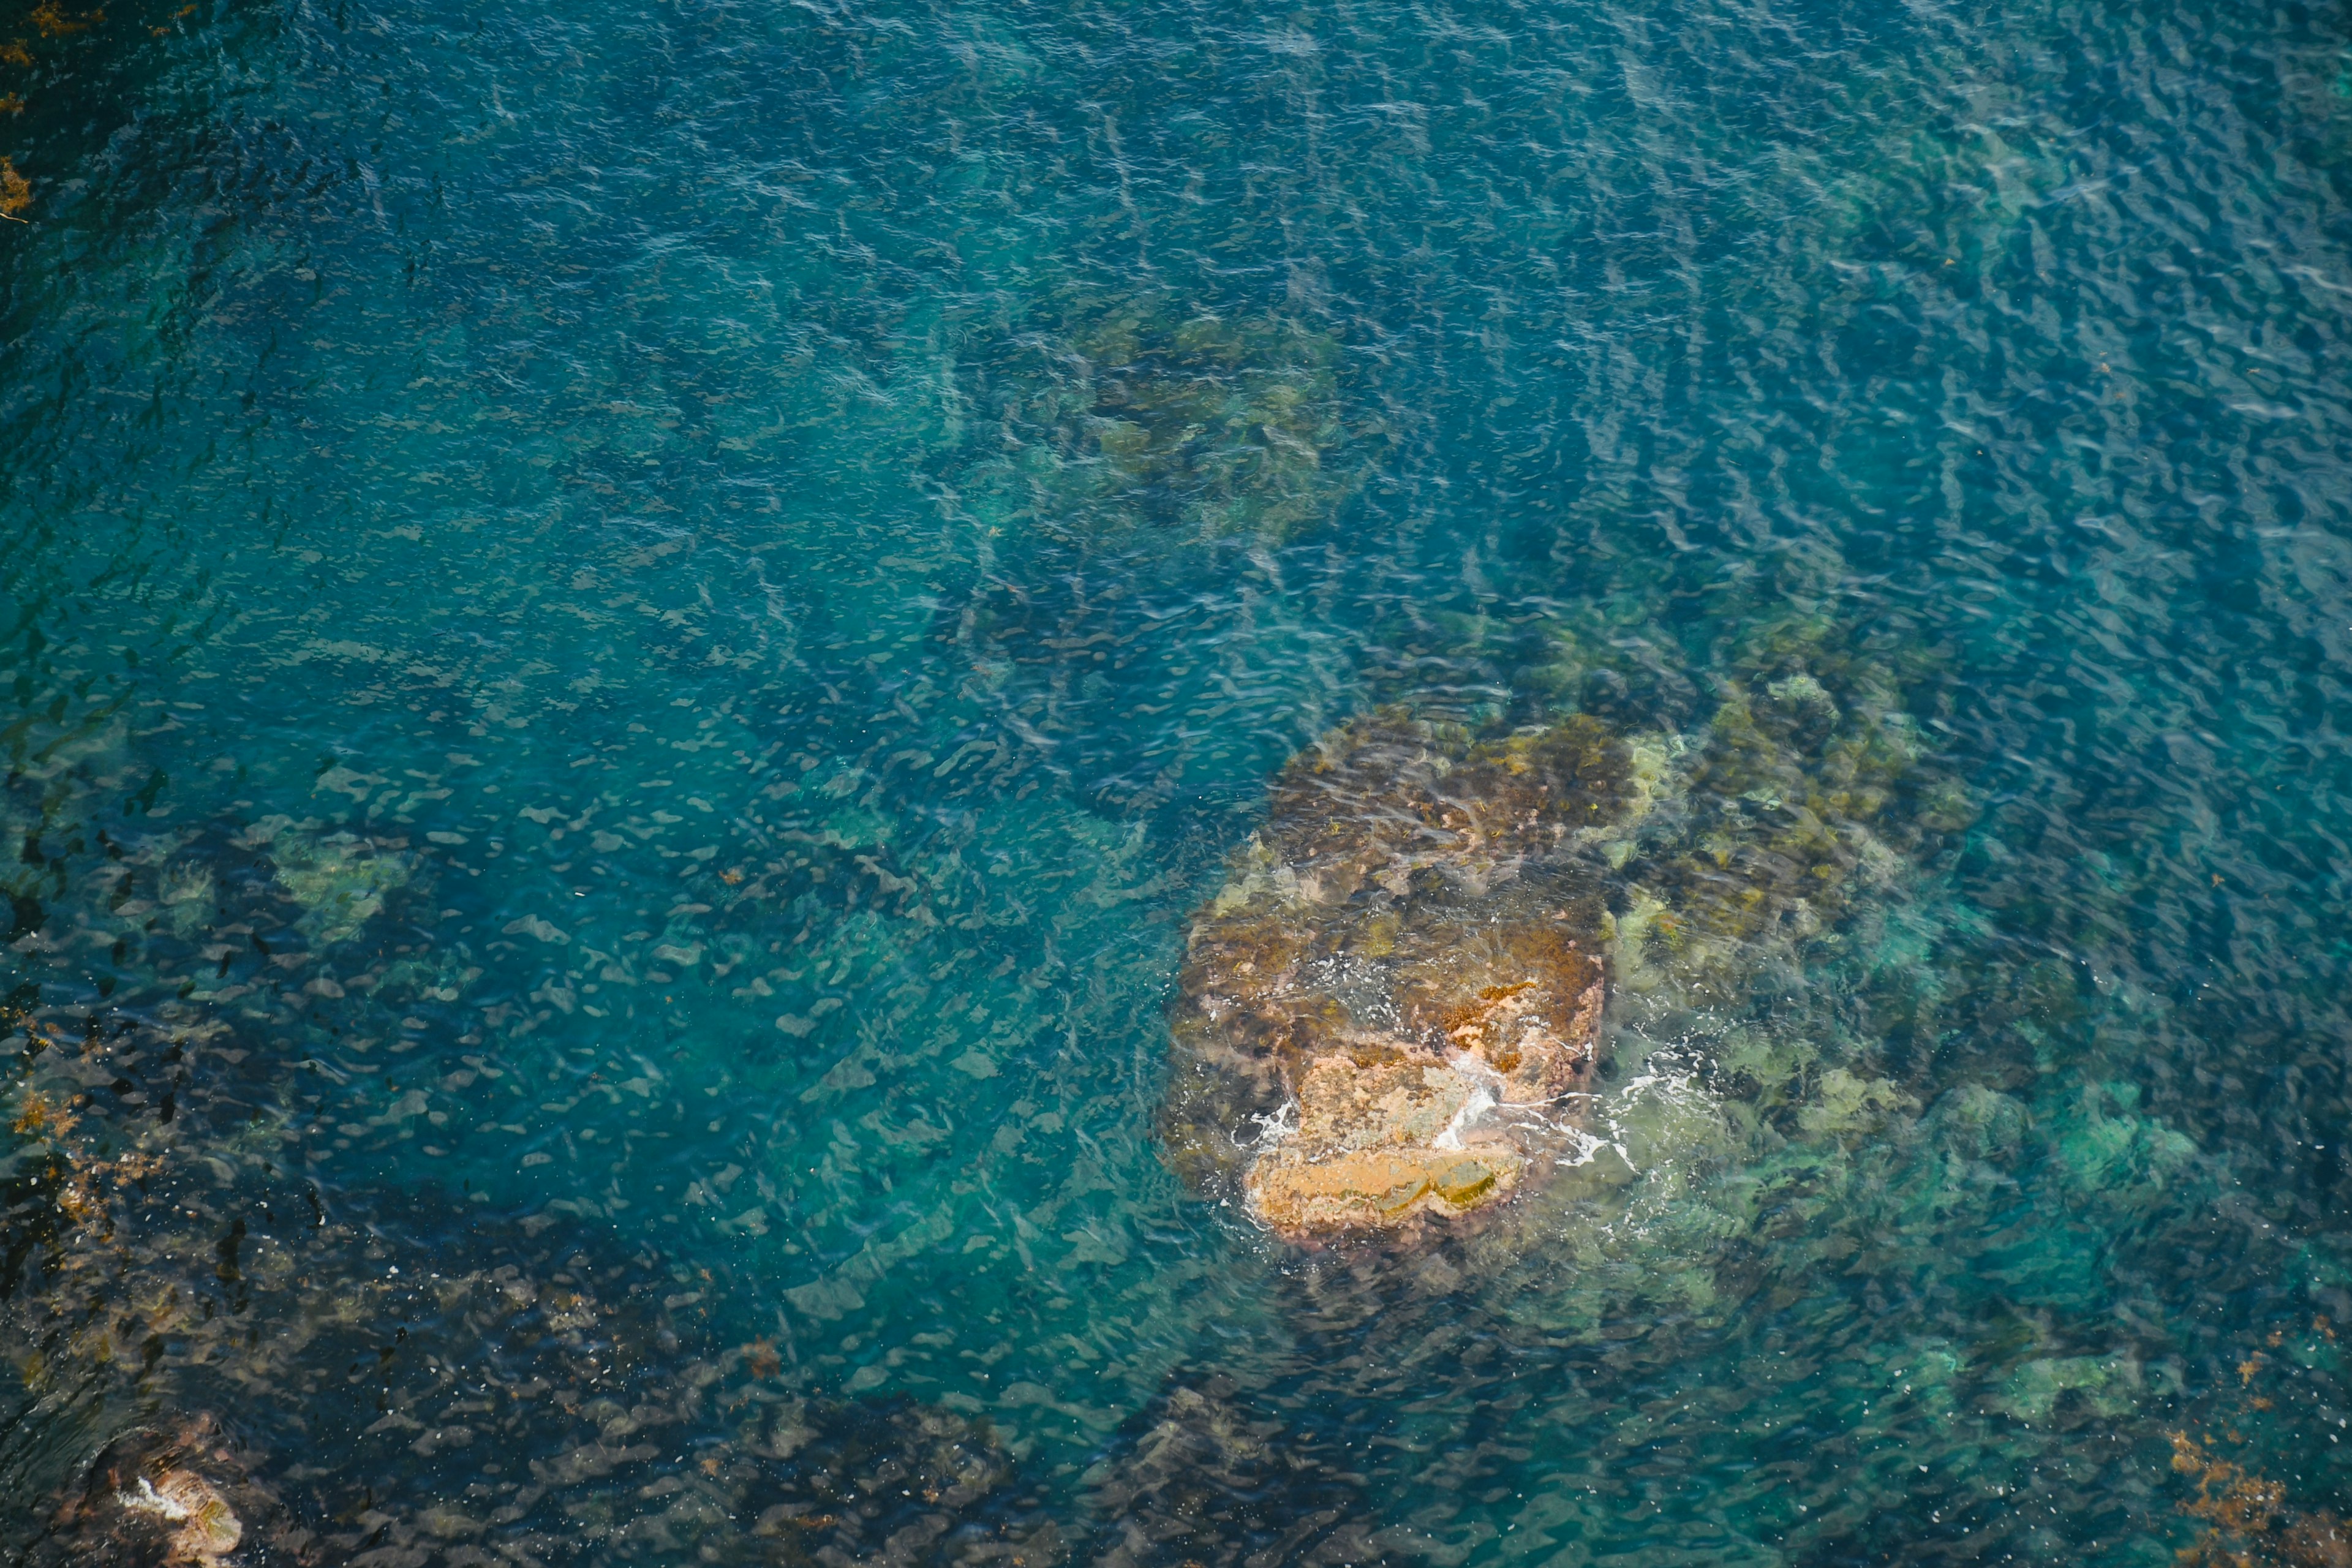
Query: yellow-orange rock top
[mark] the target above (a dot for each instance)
(1396, 999)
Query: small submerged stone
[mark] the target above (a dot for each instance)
(153, 1500)
(207, 1529)
(1401, 983)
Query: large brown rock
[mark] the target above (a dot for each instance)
(1390, 1014)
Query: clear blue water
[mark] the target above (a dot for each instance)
(631, 634)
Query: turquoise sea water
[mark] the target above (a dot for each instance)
(631, 633)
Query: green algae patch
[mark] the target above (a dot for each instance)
(2106, 1386)
(1808, 787)
(1847, 1103)
(338, 879)
(2108, 1151)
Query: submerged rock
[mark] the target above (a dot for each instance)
(1399, 988)
(338, 879)
(208, 1528)
(1151, 414)
(169, 1500)
(838, 1481)
(1210, 1479)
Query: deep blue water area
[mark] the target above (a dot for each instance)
(630, 632)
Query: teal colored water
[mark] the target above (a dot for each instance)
(633, 632)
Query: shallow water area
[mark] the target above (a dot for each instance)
(636, 638)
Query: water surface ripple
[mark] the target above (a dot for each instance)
(632, 634)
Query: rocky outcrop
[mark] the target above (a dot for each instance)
(1390, 1014)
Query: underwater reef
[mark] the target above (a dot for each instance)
(1390, 1014)
(232, 1363)
(1139, 415)
(542, 1393)
(1211, 1478)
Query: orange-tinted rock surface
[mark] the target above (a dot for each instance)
(1392, 1009)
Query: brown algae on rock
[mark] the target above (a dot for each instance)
(1401, 985)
